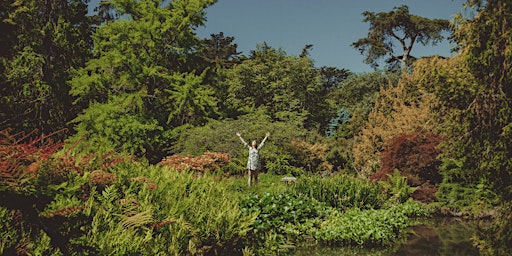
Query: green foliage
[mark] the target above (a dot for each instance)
(166, 211)
(414, 209)
(495, 239)
(281, 166)
(117, 124)
(397, 187)
(382, 227)
(358, 91)
(363, 227)
(357, 95)
(219, 136)
(276, 214)
(455, 193)
(341, 191)
(7, 231)
(485, 123)
(342, 118)
(41, 41)
(289, 87)
(134, 89)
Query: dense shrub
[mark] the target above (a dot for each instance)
(362, 227)
(277, 215)
(209, 161)
(382, 227)
(396, 187)
(401, 108)
(341, 191)
(108, 204)
(310, 156)
(156, 210)
(496, 238)
(415, 156)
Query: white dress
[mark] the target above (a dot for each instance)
(253, 162)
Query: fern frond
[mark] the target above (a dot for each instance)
(138, 220)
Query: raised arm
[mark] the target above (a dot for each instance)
(263, 141)
(243, 141)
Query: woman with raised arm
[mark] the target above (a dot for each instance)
(253, 163)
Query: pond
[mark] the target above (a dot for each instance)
(438, 236)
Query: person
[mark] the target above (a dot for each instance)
(253, 162)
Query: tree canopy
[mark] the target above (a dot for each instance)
(394, 34)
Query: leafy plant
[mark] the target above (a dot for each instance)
(275, 213)
(342, 118)
(209, 161)
(397, 187)
(363, 227)
(341, 191)
(401, 108)
(415, 155)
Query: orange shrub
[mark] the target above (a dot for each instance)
(400, 109)
(209, 161)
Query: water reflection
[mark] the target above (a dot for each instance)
(446, 236)
(438, 236)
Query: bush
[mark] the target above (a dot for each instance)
(341, 191)
(111, 205)
(156, 210)
(415, 155)
(209, 161)
(363, 227)
(382, 227)
(277, 215)
(281, 166)
(397, 188)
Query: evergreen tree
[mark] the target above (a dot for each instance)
(138, 87)
(41, 41)
(486, 118)
(287, 86)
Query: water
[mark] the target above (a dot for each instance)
(438, 236)
(441, 236)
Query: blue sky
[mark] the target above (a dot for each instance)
(329, 25)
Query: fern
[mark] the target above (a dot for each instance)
(397, 187)
(109, 195)
(138, 219)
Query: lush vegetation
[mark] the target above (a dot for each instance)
(118, 133)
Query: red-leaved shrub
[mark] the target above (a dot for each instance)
(415, 156)
(209, 161)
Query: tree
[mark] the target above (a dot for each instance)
(220, 51)
(41, 41)
(399, 109)
(287, 86)
(217, 54)
(138, 86)
(484, 117)
(398, 29)
(332, 76)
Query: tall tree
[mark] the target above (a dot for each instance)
(486, 45)
(394, 34)
(288, 86)
(138, 87)
(332, 76)
(217, 54)
(41, 41)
